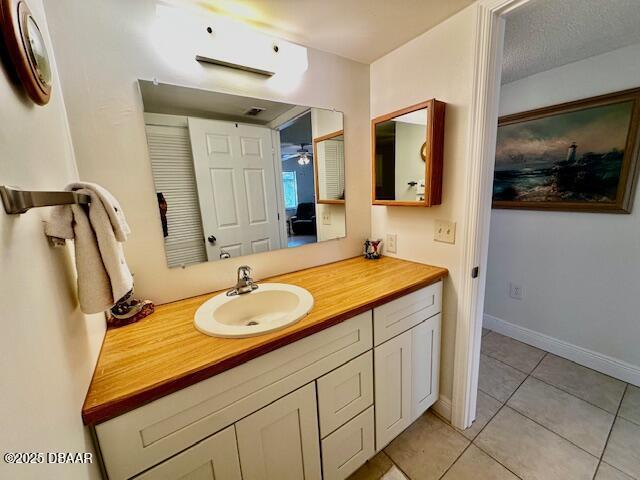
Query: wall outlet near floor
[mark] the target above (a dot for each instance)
(444, 231)
(515, 291)
(326, 218)
(392, 242)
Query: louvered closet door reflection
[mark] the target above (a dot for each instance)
(173, 175)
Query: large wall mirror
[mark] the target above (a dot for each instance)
(407, 155)
(239, 175)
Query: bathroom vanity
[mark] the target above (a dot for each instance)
(315, 400)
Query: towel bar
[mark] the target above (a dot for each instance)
(20, 201)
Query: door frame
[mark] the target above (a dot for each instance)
(277, 168)
(482, 130)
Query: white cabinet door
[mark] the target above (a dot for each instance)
(425, 365)
(281, 441)
(392, 370)
(215, 458)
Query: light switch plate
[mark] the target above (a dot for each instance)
(444, 231)
(392, 240)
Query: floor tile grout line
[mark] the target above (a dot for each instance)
(531, 374)
(606, 443)
(456, 459)
(499, 410)
(574, 395)
(515, 368)
(473, 442)
(616, 469)
(636, 423)
(406, 475)
(489, 395)
(549, 353)
(448, 425)
(495, 459)
(543, 426)
(549, 430)
(519, 385)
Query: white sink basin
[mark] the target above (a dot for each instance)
(271, 307)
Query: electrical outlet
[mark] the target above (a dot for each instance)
(326, 218)
(444, 231)
(392, 240)
(515, 291)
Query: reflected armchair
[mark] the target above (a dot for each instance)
(304, 221)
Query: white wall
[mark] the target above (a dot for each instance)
(437, 64)
(409, 164)
(579, 270)
(103, 48)
(48, 348)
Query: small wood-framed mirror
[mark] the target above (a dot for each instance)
(328, 154)
(406, 150)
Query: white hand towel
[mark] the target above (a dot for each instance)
(103, 274)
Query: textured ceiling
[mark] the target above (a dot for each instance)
(545, 34)
(362, 30)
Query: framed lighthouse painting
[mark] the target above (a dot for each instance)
(577, 156)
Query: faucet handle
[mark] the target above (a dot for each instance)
(244, 272)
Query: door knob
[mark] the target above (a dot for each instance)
(211, 239)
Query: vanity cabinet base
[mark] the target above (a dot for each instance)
(317, 409)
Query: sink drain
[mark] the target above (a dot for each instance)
(251, 323)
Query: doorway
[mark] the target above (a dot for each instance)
(298, 184)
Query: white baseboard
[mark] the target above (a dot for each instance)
(443, 407)
(596, 361)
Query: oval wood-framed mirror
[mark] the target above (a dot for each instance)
(406, 156)
(27, 50)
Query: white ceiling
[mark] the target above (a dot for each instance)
(362, 30)
(545, 34)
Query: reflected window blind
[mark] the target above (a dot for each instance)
(173, 175)
(334, 169)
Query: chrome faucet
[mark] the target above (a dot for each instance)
(245, 283)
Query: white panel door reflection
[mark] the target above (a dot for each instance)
(235, 176)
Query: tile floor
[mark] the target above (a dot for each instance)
(539, 417)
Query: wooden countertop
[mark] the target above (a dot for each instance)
(164, 352)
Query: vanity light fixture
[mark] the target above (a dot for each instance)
(237, 66)
(229, 43)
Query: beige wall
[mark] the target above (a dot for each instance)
(106, 120)
(409, 164)
(437, 64)
(47, 346)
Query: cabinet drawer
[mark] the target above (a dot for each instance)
(345, 392)
(142, 438)
(213, 458)
(349, 447)
(399, 315)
